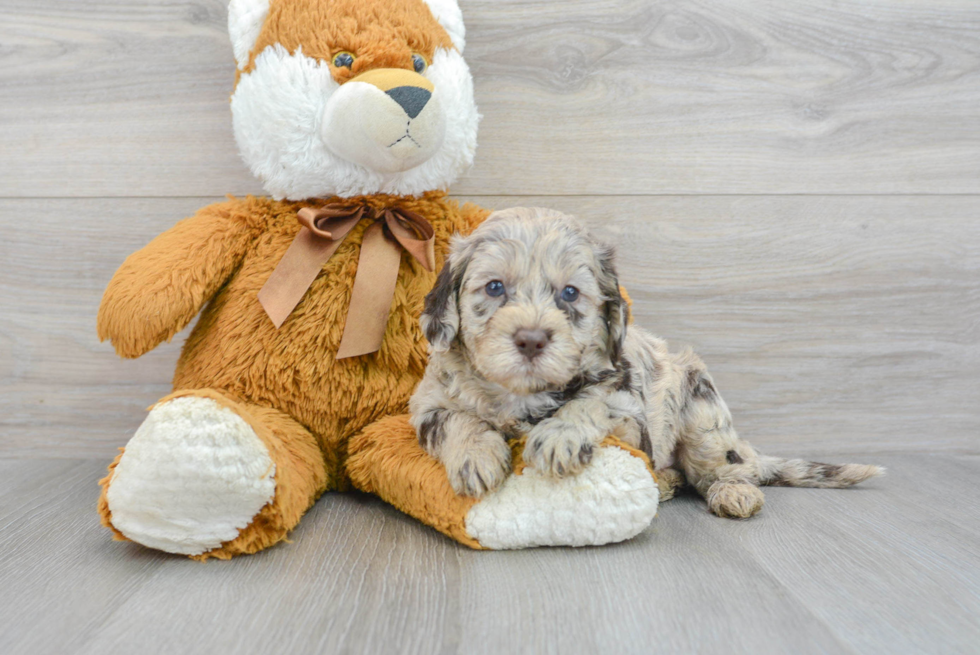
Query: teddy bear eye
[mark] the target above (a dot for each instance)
(569, 294)
(494, 288)
(343, 60)
(418, 61)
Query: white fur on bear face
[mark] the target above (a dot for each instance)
(278, 109)
(364, 125)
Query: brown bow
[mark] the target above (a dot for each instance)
(377, 269)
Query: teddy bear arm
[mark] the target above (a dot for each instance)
(160, 288)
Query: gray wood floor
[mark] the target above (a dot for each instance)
(892, 567)
(794, 189)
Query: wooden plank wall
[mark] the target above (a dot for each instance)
(794, 188)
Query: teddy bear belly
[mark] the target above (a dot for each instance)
(236, 349)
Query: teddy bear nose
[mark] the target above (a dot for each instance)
(411, 98)
(531, 343)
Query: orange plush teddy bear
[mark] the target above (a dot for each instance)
(356, 115)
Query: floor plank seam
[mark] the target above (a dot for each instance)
(464, 194)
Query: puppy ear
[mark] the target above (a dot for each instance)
(440, 318)
(615, 311)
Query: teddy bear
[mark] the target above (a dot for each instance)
(356, 116)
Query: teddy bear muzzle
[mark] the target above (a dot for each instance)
(386, 119)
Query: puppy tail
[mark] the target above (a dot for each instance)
(778, 472)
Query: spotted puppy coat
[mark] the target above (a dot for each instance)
(529, 336)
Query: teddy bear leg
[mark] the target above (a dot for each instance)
(613, 499)
(386, 459)
(208, 476)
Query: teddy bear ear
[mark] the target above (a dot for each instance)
(448, 14)
(245, 19)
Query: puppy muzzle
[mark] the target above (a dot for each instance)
(527, 349)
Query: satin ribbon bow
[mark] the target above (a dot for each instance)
(322, 233)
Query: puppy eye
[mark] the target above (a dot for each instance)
(343, 60)
(495, 288)
(569, 294)
(419, 63)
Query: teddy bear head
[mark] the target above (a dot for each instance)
(352, 97)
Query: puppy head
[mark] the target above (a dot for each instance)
(530, 299)
(352, 97)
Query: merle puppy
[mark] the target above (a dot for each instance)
(528, 334)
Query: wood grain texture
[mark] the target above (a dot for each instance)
(906, 556)
(832, 323)
(885, 568)
(123, 98)
(841, 323)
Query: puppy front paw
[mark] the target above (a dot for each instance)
(558, 448)
(481, 467)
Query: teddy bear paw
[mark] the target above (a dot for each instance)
(191, 478)
(612, 499)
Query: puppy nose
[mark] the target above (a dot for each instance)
(531, 342)
(411, 98)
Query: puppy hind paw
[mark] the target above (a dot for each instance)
(734, 500)
(669, 481)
